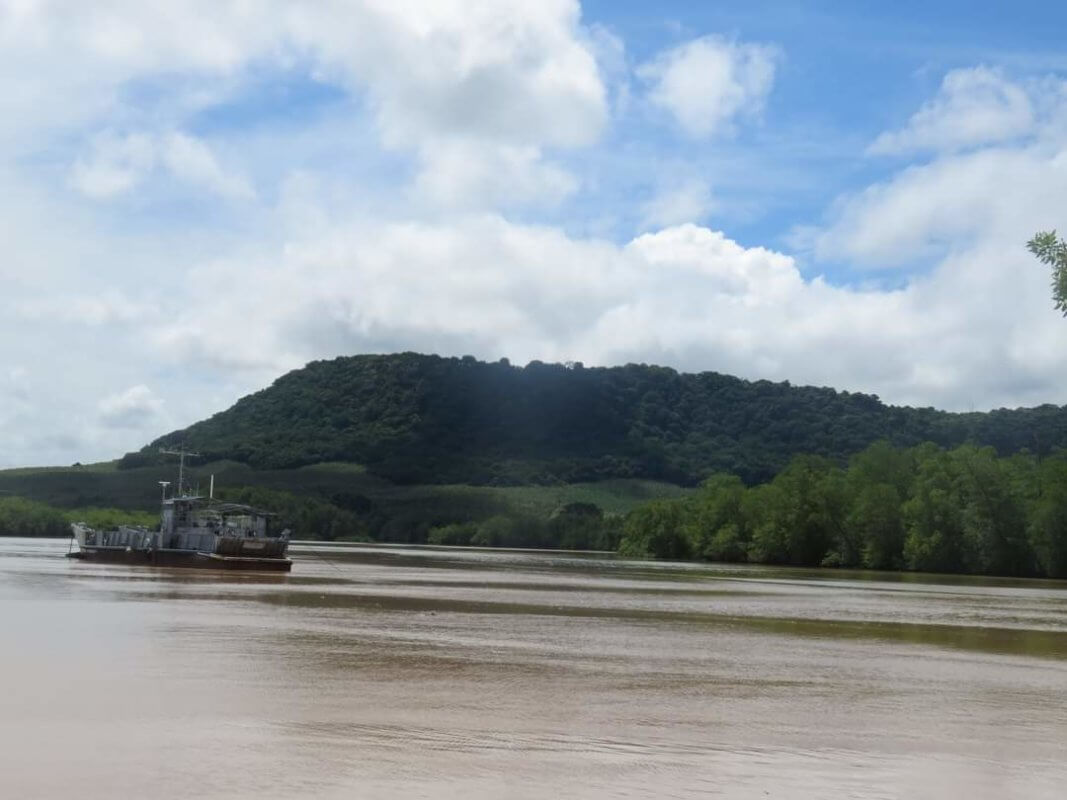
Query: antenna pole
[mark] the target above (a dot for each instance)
(181, 466)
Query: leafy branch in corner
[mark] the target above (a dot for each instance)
(1052, 250)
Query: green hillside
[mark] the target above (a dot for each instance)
(417, 419)
(331, 501)
(419, 448)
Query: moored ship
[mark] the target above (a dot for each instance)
(194, 531)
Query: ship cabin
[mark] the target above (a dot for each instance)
(192, 514)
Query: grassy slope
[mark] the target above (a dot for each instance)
(102, 486)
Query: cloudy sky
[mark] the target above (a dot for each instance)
(201, 195)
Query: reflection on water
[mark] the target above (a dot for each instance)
(414, 672)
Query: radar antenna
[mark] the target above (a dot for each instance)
(181, 466)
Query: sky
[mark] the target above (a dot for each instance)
(198, 197)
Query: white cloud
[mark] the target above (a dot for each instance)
(923, 211)
(477, 89)
(190, 160)
(987, 333)
(118, 164)
(706, 83)
(687, 296)
(514, 71)
(464, 174)
(500, 80)
(130, 408)
(689, 200)
(957, 201)
(64, 65)
(975, 106)
(100, 309)
(477, 282)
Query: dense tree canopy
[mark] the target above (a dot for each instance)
(425, 419)
(922, 508)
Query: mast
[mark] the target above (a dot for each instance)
(181, 466)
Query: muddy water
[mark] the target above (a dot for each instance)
(399, 672)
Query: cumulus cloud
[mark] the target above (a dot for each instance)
(975, 106)
(118, 164)
(958, 225)
(958, 200)
(468, 175)
(509, 78)
(478, 90)
(510, 71)
(686, 295)
(923, 211)
(130, 408)
(689, 200)
(708, 82)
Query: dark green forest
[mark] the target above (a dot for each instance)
(418, 419)
(921, 508)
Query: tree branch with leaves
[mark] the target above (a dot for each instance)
(1052, 250)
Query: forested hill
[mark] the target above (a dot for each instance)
(425, 419)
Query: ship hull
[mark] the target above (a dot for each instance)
(196, 560)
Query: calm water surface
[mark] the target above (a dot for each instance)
(402, 672)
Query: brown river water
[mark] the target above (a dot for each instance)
(376, 671)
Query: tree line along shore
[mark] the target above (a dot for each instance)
(923, 508)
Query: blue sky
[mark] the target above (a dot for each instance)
(849, 71)
(202, 196)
